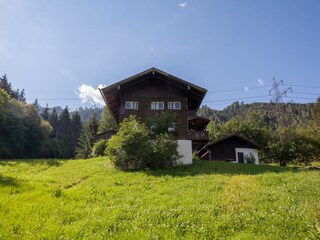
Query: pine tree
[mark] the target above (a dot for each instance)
(6, 85)
(45, 113)
(87, 137)
(316, 112)
(107, 122)
(65, 133)
(54, 122)
(36, 106)
(76, 130)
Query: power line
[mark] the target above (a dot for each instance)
(55, 99)
(277, 96)
(235, 99)
(306, 93)
(303, 86)
(302, 98)
(236, 89)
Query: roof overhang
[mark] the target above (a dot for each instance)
(198, 123)
(112, 93)
(254, 144)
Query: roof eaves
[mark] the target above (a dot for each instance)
(230, 136)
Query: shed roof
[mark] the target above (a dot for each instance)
(254, 144)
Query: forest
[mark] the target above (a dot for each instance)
(288, 132)
(29, 131)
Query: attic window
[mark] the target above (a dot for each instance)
(132, 105)
(157, 105)
(174, 105)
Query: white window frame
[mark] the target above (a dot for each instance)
(156, 105)
(131, 105)
(172, 105)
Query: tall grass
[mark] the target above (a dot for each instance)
(76, 199)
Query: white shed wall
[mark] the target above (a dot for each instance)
(185, 150)
(246, 152)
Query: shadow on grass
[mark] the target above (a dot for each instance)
(219, 167)
(8, 181)
(49, 162)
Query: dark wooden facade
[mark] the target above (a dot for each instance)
(225, 148)
(105, 135)
(154, 85)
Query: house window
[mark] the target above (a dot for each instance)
(157, 105)
(132, 105)
(174, 105)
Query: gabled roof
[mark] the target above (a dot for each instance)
(254, 144)
(112, 98)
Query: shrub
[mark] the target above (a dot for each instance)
(134, 148)
(164, 151)
(99, 147)
(299, 146)
(250, 158)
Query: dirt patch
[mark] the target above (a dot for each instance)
(76, 183)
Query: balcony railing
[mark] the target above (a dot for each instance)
(198, 135)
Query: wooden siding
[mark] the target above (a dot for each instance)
(225, 150)
(154, 90)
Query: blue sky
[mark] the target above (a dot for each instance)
(61, 51)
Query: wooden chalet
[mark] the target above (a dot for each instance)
(152, 92)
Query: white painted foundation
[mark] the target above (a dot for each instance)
(185, 150)
(246, 152)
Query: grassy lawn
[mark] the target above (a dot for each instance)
(76, 199)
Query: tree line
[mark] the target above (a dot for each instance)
(27, 133)
(282, 144)
(294, 114)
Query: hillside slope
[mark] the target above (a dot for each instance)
(89, 199)
(294, 114)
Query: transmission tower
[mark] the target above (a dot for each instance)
(277, 95)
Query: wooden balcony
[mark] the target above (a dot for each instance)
(198, 135)
(191, 113)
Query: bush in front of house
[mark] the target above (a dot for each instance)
(133, 147)
(250, 159)
(164, 151)
(99, 148)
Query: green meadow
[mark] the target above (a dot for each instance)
(89, 199)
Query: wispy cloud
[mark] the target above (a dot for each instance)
(183, 4)
(67, 72)
(88, 94)
(260, 81)
(246, 89)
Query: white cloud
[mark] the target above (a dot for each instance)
(246, 89)
(183, 4)
(260, 81)
(88, 94)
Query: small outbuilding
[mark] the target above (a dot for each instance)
(105, 135)
(232, 148)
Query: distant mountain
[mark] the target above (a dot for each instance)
(294, 114)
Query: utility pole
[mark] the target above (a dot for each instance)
(277, 95)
